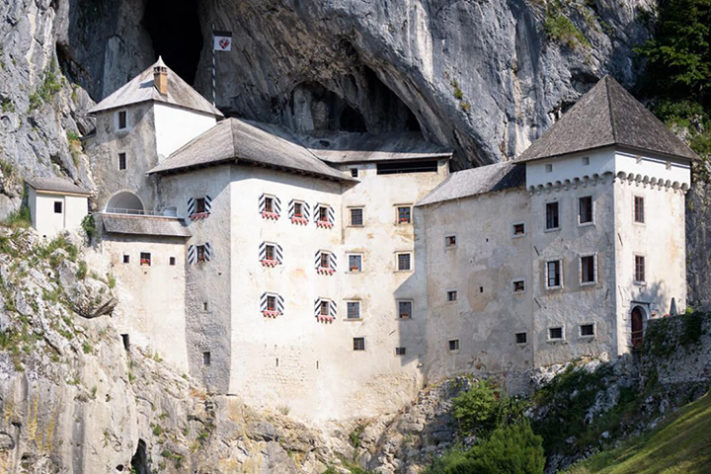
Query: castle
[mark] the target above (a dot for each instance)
(336, 274)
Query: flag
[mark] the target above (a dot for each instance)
(222, 40)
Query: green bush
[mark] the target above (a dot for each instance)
(20, 218)
(89, 225)
(455, 461)
(512, 448)
(475, 410)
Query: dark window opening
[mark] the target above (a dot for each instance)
(174, 28)
(355, 263)
(519, 229)
(403, 262)
(454, 345)
(271, 303)
(404, 215)
(553, 274)
(585, 210)
(357, 216)
(400, 351)
(519, 285)
(201, 253)
(126, 259)
(200, 205)
(555, 333)
(404, 309)
(324, 309)
(204, 306)
(298, 209)
(126, 341)
(353, 310)
(323, 213)
(426, 166)
(358, 343)
(172, 260)
(639, 269)
(269, 252)
(639, 209)
(587, 269)
(324, 260)
(481, 289)
(452, 295)
(146, 258)
(139, 461)
(206, 358)
(122, 161)
(552, 215)
(587, 330)
(122, 122)
(268, 204)
(520, 338)
(354, 172)
(450, 241)
(57, 207)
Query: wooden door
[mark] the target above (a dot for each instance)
(637, 326)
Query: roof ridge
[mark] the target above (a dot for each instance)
(609, 108)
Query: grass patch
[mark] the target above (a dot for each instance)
(51, 84)
(681, 445)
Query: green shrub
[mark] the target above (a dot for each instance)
(455, 461)
(89, 225)
(81, 271)
(475, 410)
(559, 28)
(512, 448)
(51, 84)
(692, 328)
(20, 218)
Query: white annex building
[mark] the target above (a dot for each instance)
(335, 275)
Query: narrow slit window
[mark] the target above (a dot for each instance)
(122, 122)
(585, 210)
(126, 258)
(298, 209)
(172, 261)
(551, 215)
(587, 269)
(639, 270)
(206, 358)
(122, 161)
(200, 206)
(639, 209)
(201, 253)
(268, 204)
(271, 303)
(553, 274)
(354, 172)
(324, 309)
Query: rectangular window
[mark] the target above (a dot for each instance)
(553, 274)
(454, 344)
(200, 205)
(555, 334)
(126, 259)
(324, 262)
(551, 215)
(519, 286)
(206, 358)
(549, 168)
(172, 260)
(452, 295)
(122, 161)
(146, 258)
(268, 204)
(399, 351)
(298, 209)
(587, 269)
(323, 213)
(585, 210)
(122, 122)
(324, 308)
(201, 253)
(353, 309)
(404, 215)
(450, 241)
(586, 160)
(271, 303)
(519, 229)
(358, 343)
(398, 167)
(587, 330)
(356, 216)
(57, 207)
(269, 252)
(404, 309)
(403, 262)
(520, 338)
(354, 172)
(639, 209)
(355, 263)
(204, 306)
(639, 269)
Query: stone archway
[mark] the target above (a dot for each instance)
(125, 202)
(637, 326)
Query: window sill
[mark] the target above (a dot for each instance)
(588, 283)
(519, 292)
(403, 271)
(356, 225)
(552, 229)
(640, 283)
(554, 341)
(587, 337)
(353, 319)
(639, 223)
(518, 236)
(554, 288)
(354, 272)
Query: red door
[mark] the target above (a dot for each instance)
(637, 326)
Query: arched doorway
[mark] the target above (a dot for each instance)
(125, 202)
(637, 320)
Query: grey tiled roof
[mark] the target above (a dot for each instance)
(141, 89)
(349, 147)
(56, 185)
(143, 225)
(236, 140)
(607, 115)
(475, 181)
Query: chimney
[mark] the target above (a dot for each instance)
(160, 77)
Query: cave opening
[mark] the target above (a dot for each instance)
(174, 28)
(139, 461)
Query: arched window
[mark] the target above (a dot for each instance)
(125, 202)
(637, 318)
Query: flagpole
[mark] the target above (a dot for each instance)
(214, 69)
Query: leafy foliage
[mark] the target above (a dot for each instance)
(558, 27)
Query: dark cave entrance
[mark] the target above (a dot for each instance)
(174, 28)
(139, 461)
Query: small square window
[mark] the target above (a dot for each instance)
(452, 295)
(126, 258)
(146, 258)
(172, 260)
(404, 215)
(354, 172)
(520, 338)
(57, 207)
(453, 344)
(298, 209)
(586, 160)
(358, 343)
(585, 210)
(205, 358)
(555, 334)
(519, 286)
(399, 351)
(450, 241)
(353, 309)
(403, 262)
(587, 269)
(200, 205)
(356, 216)
(268, 204)
(587, 330)
(355, 263)
(551, 215)
(639, 209)
(553, 274)
(404, 309)
(549, 168)
(122, 161)
(519, 229)
(122, 121)
(639, 269)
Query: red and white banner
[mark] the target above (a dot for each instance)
(222, 40)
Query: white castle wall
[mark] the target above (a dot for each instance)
(49, 223)
(176, 126)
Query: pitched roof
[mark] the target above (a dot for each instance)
(475, 181)
(141, 89)
(236, 140)
(143, 225)
(607, 115)
(349, 147)
(56, 185)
